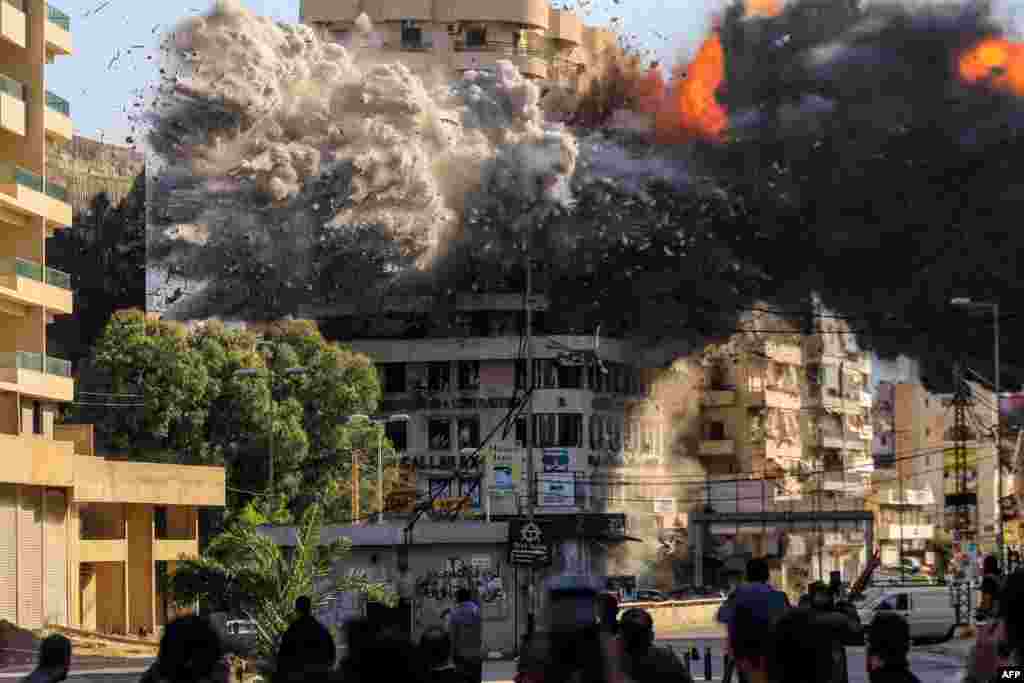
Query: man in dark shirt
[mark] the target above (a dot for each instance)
(307, 648)
(645, 662)
(990, 588)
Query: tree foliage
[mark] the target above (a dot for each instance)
(243, 570)
(196, 408)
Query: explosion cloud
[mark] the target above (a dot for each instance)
(868, 154)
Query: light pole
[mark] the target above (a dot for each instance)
(994, 307)
(380, 453)
(255, 372)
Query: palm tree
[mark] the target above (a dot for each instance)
(245, 571)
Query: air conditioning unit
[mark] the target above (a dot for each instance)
(453, 29)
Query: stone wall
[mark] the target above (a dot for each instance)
(681, 616)
(88, 167)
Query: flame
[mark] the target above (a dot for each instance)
(996, 61)
(764, 8)
(692, 110)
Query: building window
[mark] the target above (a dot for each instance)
(521, 378)
(597, 437)
(398, 435)
(599, 379)
(37, 418)
(469, 432)
(714, 431)
(412, 35)
(476, 37)
(521, 431)
(546, 429)
(439, 433)
(392, 377)
(438, 377)
(160, 521)
(545, 372)
(469, 375)
(570, 377)
(570, 430)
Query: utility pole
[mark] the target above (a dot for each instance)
(530, 380)
(962, 500)
(1000, 542)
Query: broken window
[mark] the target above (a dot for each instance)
(438, 377)
(469, 432)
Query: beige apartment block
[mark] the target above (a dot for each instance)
(546, 44)
(83, 539)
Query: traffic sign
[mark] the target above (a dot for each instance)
(528, 543)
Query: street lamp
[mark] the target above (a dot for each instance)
(255, 372)
(359, 417)
(964, 302)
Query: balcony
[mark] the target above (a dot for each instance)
(12, 103)
(851, 442)
(58, 31)
(38, 375)
(718, 398)
(103, 550)
(775, 398)
(921, 497)
(35, 460)
(911, 532)
(528, 13)
(13, 23)
(531, 63)
(785, 351)
(717, 447)
(786, 454)
(29, 194)
(32, 283)
(165, 549)
(98, 480)
(57, 118)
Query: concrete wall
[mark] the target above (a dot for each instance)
(109, 598)
(98, 479)
(681, 616)
(141, 587)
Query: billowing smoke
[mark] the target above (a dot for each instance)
(294, 158)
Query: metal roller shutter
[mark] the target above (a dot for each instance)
(56, 558)
(9, 553)
(30, 608)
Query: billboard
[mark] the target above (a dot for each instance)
(507, 466)
(557, 490)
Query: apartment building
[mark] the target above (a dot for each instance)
(925, 437)
(548, 45)
(904, 502)
(785, 427)
(83, 538)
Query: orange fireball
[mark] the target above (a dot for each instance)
(693, 110)
(764, 8)
(995, 61)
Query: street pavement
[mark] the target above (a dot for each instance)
(930, 665)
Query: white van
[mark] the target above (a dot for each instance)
(928, 609)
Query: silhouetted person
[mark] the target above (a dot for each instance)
(888, 650)
(756, 594)
(991, 587)
(307, 648)
(54, 661)
(643, 661)
(383, 657)
(190, 652)
(466, 626)
(794, 650)
(436, 654)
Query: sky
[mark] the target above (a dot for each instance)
(116, 55)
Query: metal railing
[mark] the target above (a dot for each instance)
(58, 18)
(56, 191)
(12, 87)
(36, 271)
(37, 362)
(58, 103)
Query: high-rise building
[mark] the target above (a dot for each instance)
(548, 45)
(83, 538)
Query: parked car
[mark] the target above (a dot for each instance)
(927, 609)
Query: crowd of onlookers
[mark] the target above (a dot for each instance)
(768, 641)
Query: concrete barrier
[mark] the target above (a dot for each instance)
(680, 616)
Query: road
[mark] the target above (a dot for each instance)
(930, 668)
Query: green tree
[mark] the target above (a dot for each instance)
(247, 571)
(197, 409)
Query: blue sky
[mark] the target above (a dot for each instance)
(116, 52)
